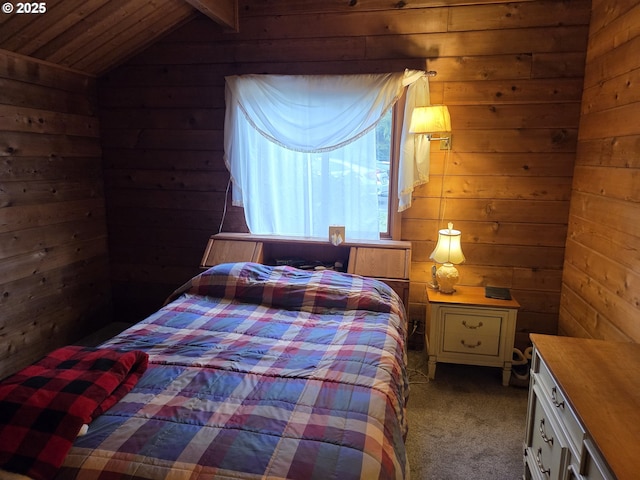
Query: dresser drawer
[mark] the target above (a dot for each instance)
(547, 447)
(471, 332)
(594, 467)
(561, 408)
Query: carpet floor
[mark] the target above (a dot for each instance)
(464, 424)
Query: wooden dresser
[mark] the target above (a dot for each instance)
(583, 420)
(386, 260)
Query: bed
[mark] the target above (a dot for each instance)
(259, 372)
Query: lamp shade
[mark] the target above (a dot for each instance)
(432, 119)
(448, 248)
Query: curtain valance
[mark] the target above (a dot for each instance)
(315, 113)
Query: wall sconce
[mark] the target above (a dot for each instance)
(430, 121)
(448, 252)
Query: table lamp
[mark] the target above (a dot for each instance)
(448, 252)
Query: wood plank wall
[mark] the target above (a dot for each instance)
(511, 73)
(54, 282)
(601, 281)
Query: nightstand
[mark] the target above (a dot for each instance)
(466, 327)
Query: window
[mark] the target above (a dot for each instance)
(306, 152)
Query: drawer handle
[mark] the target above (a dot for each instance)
(543, 471)
(554, 399)
(471, 346)
(471, 327)
(543, 434)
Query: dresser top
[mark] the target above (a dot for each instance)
(601, 381)
(465, 295)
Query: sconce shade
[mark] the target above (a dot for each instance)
(429, 120)
(448, 248)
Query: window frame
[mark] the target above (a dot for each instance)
(394, 224)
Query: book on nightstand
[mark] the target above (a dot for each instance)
(500, 293)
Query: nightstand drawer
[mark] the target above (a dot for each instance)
(472, 344)
(462, 321)
(470, 332)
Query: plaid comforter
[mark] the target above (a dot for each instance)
(260, 372)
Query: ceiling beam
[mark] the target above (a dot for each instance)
(224, 12)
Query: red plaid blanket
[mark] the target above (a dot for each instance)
(43, 407)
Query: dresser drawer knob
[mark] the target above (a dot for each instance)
(554, 399)
(543, 471)
(469, 345)
(543, 434)
(471, 327)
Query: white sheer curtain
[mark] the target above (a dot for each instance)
(302, 150)
(415, 150)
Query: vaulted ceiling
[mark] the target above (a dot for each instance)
(93, 36)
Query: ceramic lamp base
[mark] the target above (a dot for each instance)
(447, 276)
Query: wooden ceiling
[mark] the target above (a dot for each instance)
(94, 36)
